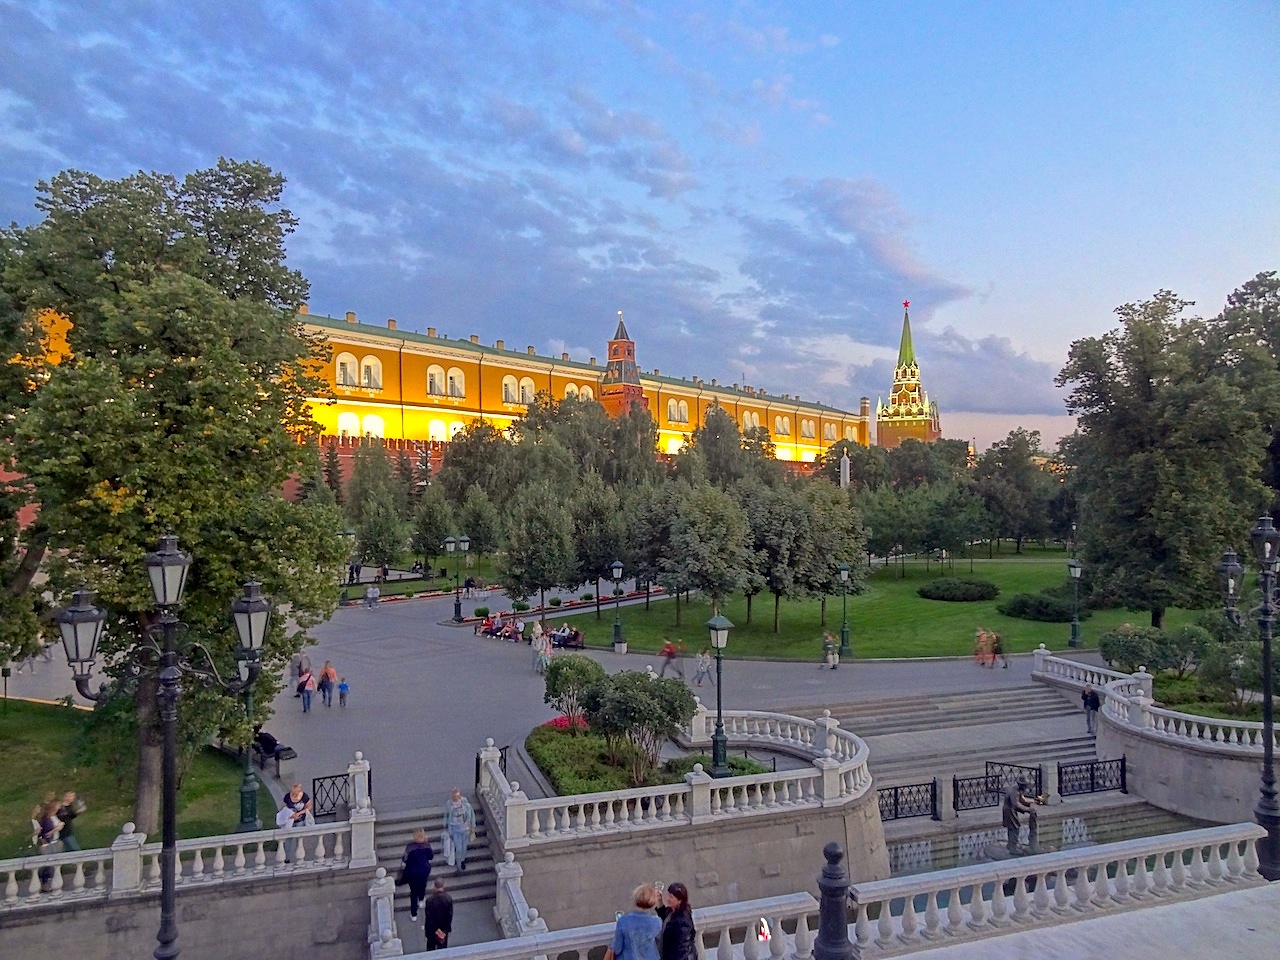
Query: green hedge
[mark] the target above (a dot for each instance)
(1044, 607)
(958, 589)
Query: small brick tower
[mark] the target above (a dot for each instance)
(620, 388)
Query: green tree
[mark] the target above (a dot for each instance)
(432, 522)
(650, 512)
(710, 546)
(569, 677)
(868, 466)
(633, 451)
(717, 443)
(1233, 672)
(913, 463)
(780, 525)
(539, 549)
(1167, 460)
(598, 532)
(836, 535)
(371, 480)
(1015, 487)
(333, 471)
(478, 455)
(182, 405)
(480, 521)
(643, 710)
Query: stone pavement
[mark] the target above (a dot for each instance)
(1240, 925)
(425, 694)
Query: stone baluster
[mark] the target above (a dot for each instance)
(833, 941)
(1144, 682)
(383, 938)
(1040, 654)
(824, 740)
(699, 807)
(509, 880)
(698, 732)
(804, 939)
(517, 816)
(126, 861)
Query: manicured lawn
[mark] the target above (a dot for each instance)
(888, 620)
(37, 742)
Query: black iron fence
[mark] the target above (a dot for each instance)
(330, 793)
(1094, 776)
(1008, 774)
(909, 800)
(502, 762)
(974, 793)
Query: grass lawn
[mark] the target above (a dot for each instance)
(887, 620)
(37, 742)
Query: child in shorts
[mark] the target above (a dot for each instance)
(343, 689)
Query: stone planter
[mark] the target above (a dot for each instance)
(619, 646)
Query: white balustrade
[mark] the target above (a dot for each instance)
(982, 899)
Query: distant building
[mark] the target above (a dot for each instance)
(909, 414)
(414, 389)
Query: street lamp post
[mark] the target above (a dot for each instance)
(462, 544)
(166, 654)
(615, 568)
(1266, 545)
(252, 614)
(719, 627)
(1074, 568)
(845, 652)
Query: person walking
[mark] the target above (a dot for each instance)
(704, 668)
(306, 688)
(415, 869)
(48, 838)
(670, 658)
(343, 689)
(997, 650)
(460, 823)
(1089, 699)
(72, 806)
(636, 933)
(437, 912)
(328, 680)
(677, 939)
(830, 652)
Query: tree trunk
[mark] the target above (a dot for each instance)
(1018, 544)
(1157, 617)
(646, 596)
(146, 804)
(777, 609)
(824, 611)
(677, 608)
(597, 598)
(750, 597)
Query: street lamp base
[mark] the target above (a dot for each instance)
(1075, 634)
(719, 756)
(845, 650)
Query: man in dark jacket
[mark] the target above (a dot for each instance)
(1089, 698)
(437, 910)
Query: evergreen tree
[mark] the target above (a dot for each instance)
(539, 551)
(332, 470)
(432, 522)
(479, 518)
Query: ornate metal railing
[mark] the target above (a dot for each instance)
(1093, 776)
(974, 793)
(909, 800)
(330, 793)
(1008, 774)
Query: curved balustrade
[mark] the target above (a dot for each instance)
(559, 817)
(894, 916)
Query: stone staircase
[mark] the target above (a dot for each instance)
(478, 884)
(915, 738)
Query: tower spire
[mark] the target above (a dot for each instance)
(906, 349)
(621, 332)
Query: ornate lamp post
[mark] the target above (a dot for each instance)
(719, 627)
(166, 654)
(252, 614)
(615, 568)
(463, 544)
(1074, 568)
(845, 652)
(1266, 545)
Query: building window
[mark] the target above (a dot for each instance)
(586, 393)
(570, 390)
(782, 426)
(527, 390)
(848, 433)
(348, 370)
(678, 411)
(673, 411)
(436, 431)
(373, 426)
(456, 428)
(457, 383)
(828, 431)
(807, 429)
(510, 390)
(371, 374)
(348, 425)
(435, 381)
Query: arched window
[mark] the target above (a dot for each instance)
(348, 425)
(586, 393)
(746, 421)
(457, 383)
(371, 374)
(673, 411)
(510, 390)
(435, 380)
(455, 428)
(848, 433)
(674, 445)
(436, 431)
(684, 411)
(527, 390)
(373, 426)
(807, 429)
(570, 390)
(348, 370)
(755, 420)
(828, 431)
(782, 426)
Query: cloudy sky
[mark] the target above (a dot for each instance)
(757, 185)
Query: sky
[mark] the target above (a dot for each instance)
(758, 186)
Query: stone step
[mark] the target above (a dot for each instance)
(910, 704)
(911, 714)
(971, 762)
(394, 830)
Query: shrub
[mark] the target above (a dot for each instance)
(573, 764)
(637, 714)
(959, 589)
(1231, 672)
(741, 766)
(519, 606)
(1180, 651)
(568, 679)
(1038, 606)
(554, 602)
(482, 611)
(587, 597)
(564, 723)
(1128, 647)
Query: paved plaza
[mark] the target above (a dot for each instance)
(426, 693)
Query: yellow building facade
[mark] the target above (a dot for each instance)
(401, 385)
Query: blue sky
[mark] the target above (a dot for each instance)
(757, 185)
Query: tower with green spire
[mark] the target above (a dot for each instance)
(909, 414)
